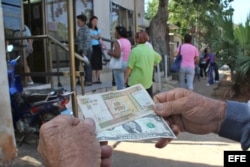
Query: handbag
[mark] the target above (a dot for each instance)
(106, 57)
(116, 63)
(176, 65)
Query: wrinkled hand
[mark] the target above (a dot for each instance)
(69, 142)
(187, 111)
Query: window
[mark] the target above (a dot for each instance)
(58, 16)
(121, 17)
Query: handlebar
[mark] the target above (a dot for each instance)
(18, 58)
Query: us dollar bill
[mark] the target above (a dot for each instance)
(114, 108)
(148, 127)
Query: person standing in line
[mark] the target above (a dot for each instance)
(122, 47)
(84, 47)
(216, 71)
(211, 66)
(148, 43)
(141, 63)
(190, 57)
(203, 64)
(96, 59)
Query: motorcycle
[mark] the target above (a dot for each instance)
(33, 107)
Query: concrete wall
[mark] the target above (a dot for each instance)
(102, 11)
(7, 140)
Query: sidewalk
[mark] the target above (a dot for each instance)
(106, 85)
(106, 78)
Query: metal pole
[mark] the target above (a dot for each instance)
(136, 16)
(166, 66)
(59, 84)
(72, 57)
(49, 61)
(45, 31)
(159, 77)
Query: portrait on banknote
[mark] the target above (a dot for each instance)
(132, 127)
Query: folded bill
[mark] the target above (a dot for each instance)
(148, 127)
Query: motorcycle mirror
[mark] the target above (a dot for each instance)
(10, 48)
(52, 93)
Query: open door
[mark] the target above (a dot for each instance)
(34, 18)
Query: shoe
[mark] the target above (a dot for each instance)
(97, 82)
(30, 83)
(208, 84)
(216, 81)
(87, 84)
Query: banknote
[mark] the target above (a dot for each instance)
(148, 127)
(114, 108)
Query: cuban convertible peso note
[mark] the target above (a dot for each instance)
(117, 107)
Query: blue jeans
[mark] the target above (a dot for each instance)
(87, 67)
(210, 74)
(186, 73)
(119, 75)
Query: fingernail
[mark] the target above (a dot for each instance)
(89, 122)
(159, 107)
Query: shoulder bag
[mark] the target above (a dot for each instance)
(116, 63)
(176, 65)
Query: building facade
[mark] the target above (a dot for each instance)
(49, 17)
(111, 13)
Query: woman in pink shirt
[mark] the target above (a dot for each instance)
(122, 47)
(190, 56)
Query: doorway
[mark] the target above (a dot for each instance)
(33, 18)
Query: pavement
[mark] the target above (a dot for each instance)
(186, 151)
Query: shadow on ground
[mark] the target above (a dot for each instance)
(123, 159)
